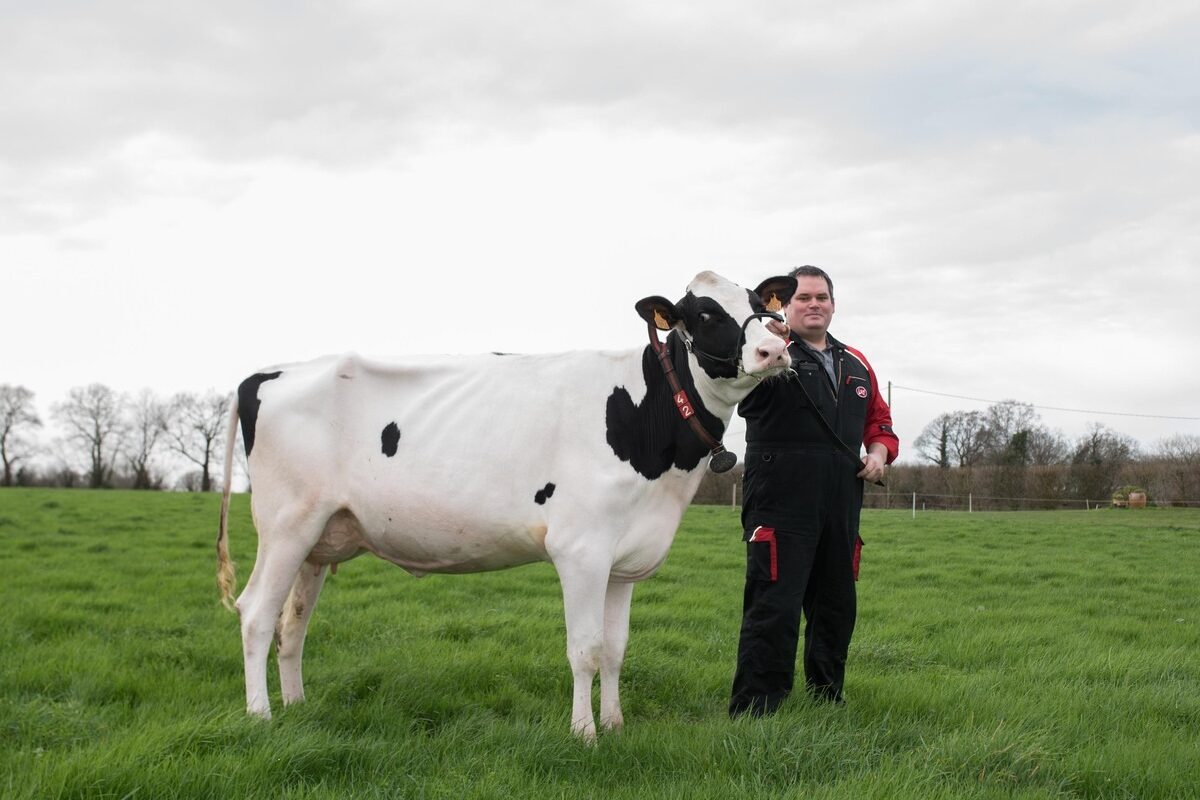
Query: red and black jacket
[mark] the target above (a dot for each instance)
(778, 413)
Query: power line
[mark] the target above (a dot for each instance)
(1044, 408)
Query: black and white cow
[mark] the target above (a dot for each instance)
(465, 464)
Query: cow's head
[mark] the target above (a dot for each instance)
(724, 326)
(718, 350)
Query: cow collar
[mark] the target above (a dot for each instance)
(722, 460)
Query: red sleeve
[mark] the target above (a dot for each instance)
(878, 427)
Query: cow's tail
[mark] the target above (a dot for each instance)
(226, 577)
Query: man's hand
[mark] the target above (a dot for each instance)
(778, 328)
(873, 466)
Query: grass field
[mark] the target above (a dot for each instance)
(1026, 655)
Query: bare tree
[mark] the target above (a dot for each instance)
(967, 438)
(1047, 447)
(1008, 439)
(195, 429)
(16, 413)
(934, 442)
(147, 420)
(1006, 434)
(955, 439)
(94, 417)
(1179, 456)
(1182, 448)
(1098, 457)
(1006, 427)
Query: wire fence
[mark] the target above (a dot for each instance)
(921, 501)
(882, 498)
(991, 488)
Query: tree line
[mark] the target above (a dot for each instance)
(1004, 454)
(1007, 454)
(1004, 457)
(113, 439)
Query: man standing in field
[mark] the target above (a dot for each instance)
(802, 498)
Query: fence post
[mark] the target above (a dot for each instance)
(733, 499)
(914, 505)
(970, 502)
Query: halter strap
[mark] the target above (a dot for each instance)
(722, 460)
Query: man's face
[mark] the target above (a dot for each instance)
(811, 308)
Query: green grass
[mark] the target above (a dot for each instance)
(1027, 655)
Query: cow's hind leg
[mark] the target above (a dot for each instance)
(282, 547)
(616, 635)
(292, 627)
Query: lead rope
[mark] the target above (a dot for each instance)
(721, 459)
(837, 440)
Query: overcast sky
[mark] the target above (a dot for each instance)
(1006, 194)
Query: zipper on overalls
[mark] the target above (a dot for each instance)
(838, 383)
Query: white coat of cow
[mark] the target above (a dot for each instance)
(465, 464)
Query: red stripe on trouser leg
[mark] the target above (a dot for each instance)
(857, 556)
(764, 534)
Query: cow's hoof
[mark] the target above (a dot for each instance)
(259, 713)
(615, 724)
(585, 733)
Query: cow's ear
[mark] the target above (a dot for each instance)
(776, 292)
(658, 311)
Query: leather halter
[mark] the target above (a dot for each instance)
(722, 460)
(734, 360)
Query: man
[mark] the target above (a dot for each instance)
(802, 499)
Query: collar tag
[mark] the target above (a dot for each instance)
(684, 404)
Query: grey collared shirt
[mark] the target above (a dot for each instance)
(824, 358)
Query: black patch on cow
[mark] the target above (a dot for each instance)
(544, 494)
(715, 335)
(248, 404)
(652, 436)
(390, 439)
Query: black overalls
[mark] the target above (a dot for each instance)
(800, 515)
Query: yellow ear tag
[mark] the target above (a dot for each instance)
(773, 304)
(660, 321)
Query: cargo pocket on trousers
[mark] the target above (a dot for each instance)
(762, 554)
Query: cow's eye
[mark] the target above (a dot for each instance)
(705, 316)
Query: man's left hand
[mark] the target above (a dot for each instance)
(873, 468)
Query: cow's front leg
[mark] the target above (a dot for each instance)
(616, 635)
(583, 586)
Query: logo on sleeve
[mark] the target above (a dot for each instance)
(861, 391)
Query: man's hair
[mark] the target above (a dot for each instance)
(809, 271)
